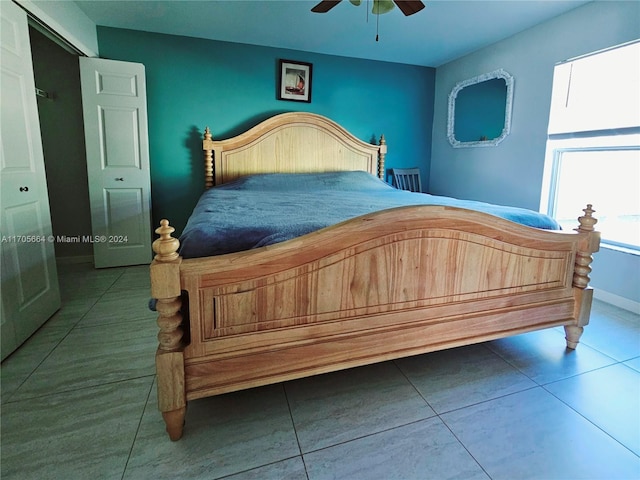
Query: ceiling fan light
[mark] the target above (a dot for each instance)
(382, 6)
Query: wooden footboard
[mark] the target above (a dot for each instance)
(386, 285)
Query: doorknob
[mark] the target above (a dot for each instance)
(120, 179)
(24, 189)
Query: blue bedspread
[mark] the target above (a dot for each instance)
(264, 209)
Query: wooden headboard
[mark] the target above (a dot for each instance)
(290, 143)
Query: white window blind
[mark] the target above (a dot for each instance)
(597, 92)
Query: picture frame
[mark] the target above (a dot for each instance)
(294, 81)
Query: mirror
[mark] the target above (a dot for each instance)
(480, 110)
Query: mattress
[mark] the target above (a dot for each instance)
(264, 209)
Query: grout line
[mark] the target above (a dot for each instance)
(372, 434)
(53, 348)
(464, 446)
(135, 436)
(295, 430)
(591, 422)
(230, 475)
(78, 389)
(582, 415)
(488, 400)
(414, 386)
(57, 344)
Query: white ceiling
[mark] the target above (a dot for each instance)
(441, 32)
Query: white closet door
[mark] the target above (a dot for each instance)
(114, 104)
(30, 292)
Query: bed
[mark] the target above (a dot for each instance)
(384, 284)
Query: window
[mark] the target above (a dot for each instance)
(593, 149)
(606, 177)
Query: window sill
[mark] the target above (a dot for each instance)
(618, 248)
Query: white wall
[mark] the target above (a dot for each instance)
(511, 173)
(67, 20)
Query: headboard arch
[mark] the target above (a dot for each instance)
(295, 142)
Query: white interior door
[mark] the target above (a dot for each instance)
(114, 104)
(30, 292)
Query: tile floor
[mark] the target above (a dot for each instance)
(79, 402)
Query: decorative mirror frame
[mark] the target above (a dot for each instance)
(500, 73)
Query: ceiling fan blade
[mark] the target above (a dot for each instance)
(409, 7)
(325, 6)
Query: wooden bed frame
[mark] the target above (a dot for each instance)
(386, 285)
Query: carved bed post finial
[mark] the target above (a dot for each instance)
(166, 288)
(587, 221)
(208, 158)
(165, 247)
(382, 152)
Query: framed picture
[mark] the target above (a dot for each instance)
(295, 81)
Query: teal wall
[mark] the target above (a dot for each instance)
(193, 83)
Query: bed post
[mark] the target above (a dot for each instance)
(382, 152)
(207, 146)
(165, 287)
(581, 271)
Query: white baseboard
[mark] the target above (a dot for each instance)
(74, 259)
(617, 300)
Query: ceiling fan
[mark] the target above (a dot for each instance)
(408, 7)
